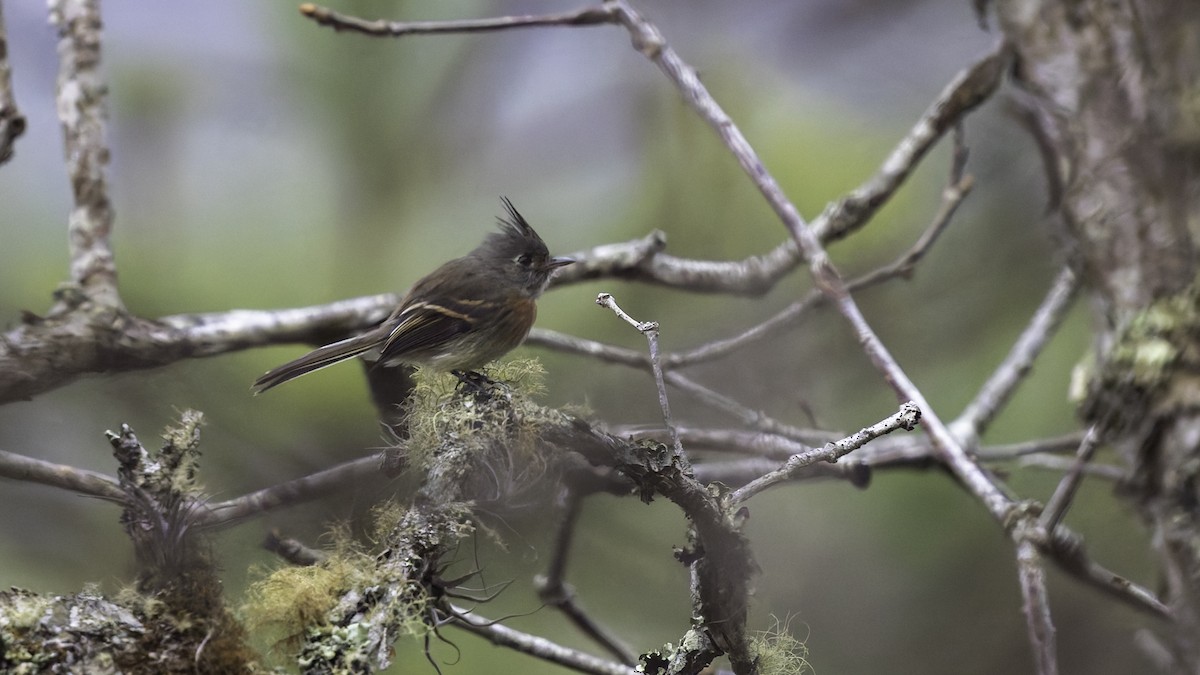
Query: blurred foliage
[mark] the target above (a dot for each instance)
(261, 161)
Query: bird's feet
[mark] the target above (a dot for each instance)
(474, 382)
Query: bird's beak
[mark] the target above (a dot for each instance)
(561, 261)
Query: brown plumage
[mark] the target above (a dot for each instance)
(469, 311)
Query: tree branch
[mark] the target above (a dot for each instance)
(994, 393)
(81, 94)
(29, 469)
(292, 492)
(971, 87)
(42, 354)
(553, 589)
(503, 636)
(1036, 607)
(906, 418)
(587, 16)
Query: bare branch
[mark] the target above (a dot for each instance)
(1107, 472)
(1058, 444)
(95, 484)
(587, 16)
(561, 342)
(719, 556)
(643, 260)
(1004, 380)
(223, 332)
(12, 122)
(967, 90)
(649, 42)
(1067, 550)
(906, 418)
(739, 472)
(650, 330)
(82, 110)
(43, 354)
(553, 589)
(758, 443)
(953, 195)
(292, 492)
(292, 550)
(501, 635)
(1037, 607)
(627, 357)
(1060, 501)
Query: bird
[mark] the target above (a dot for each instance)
(466, 313)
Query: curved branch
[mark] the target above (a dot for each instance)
(503, 636)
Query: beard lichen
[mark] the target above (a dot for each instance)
(470, 443)
(483, 437)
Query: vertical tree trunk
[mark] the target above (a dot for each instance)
(1112, 91)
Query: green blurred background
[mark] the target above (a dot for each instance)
(260, 161)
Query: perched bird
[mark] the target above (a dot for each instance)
(469, 311)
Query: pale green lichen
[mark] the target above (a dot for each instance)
(1148, 365)
(778, 652)
(292, 604)
(439, 412)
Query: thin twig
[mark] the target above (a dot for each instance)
(1060, 501)
(650, 330)
(968, 89)
(1107, 472)
(292, 492)
(1068, 552)
(570, 344)
(906, 418)
(756, 419)
(292, 550)
(1058, 444)
(908, 451)
(739, 472)
(503, 636)
(628, 357)
(994, 393)
(761, 444)
(957, 188)
(556, 592)
(588, 16)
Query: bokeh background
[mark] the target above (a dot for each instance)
(260, 161)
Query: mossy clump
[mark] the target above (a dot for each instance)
(441, 409)
(777, 652)
(289, 601)
(291, 604)
(484, 437)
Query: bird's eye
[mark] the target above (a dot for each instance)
(524, 259)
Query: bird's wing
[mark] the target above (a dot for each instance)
(424, 325)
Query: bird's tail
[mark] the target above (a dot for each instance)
(316, 360)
